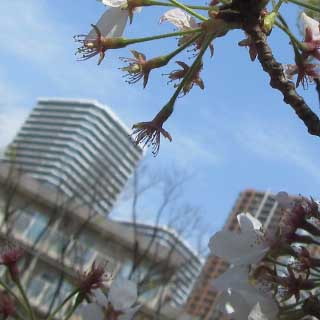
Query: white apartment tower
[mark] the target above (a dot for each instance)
(78, 146)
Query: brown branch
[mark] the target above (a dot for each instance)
(280, 82)
(317, 81)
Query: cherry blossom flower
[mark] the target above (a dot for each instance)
(117, 306)
(184, 22)
(139, 67)
(92, 279)
(306, 73)
(100, 38)
(309, 23)
(257, 313)
(179, 74)
(180, 19)
(7, 306)
(311, 41)
(241, 293)
(292, 285)
(10, 257)
(149, 133)
(111, 24)
(246, 247)
(128, 6)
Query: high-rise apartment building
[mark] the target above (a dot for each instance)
(265, 208)
(78, 146)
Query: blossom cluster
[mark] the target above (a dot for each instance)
(119, 304)
(196, 33)
(273, 274)
(304, 68)
(97, 294)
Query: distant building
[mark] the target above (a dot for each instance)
(185, 277)
(60, 237)
(265, 208)
(78, 146)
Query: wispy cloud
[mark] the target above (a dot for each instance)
(190, 149)
(270, 140)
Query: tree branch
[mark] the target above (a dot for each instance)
(317, 81)
(280, 82)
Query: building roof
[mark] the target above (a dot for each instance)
(170, 233)
(92, 102)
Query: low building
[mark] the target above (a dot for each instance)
(62, 238)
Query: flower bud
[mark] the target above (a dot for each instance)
(7, 306)
(268, 21)
(10, 257)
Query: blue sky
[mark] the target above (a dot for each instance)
(236, 134)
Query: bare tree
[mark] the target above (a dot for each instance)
(170, 212)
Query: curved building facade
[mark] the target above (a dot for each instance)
(79, 147)
(188, 261)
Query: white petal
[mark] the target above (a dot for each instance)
(123, 293)
(267, 305)
(128, 314)
(137, 9)
(238, 248)
(235, 278)
(233, 304)
(100, 297)
(179, 18)
(248, 223)
(112, 23)
(114, 3)
(91, 311)
(307, 21)
(257, 314)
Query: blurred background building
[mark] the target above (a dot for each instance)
(59, 179)
(78, 146)
(265, 208)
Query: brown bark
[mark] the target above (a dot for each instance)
(280, 82)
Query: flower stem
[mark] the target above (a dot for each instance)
(187, 9)
(71, 295)
(71, 311)
(192, 68)
(305, 5)
(168, 4)
(290, 34)
(161, 36)
(182, 47)
(277, 6)
(10, 291)
(25, 298)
